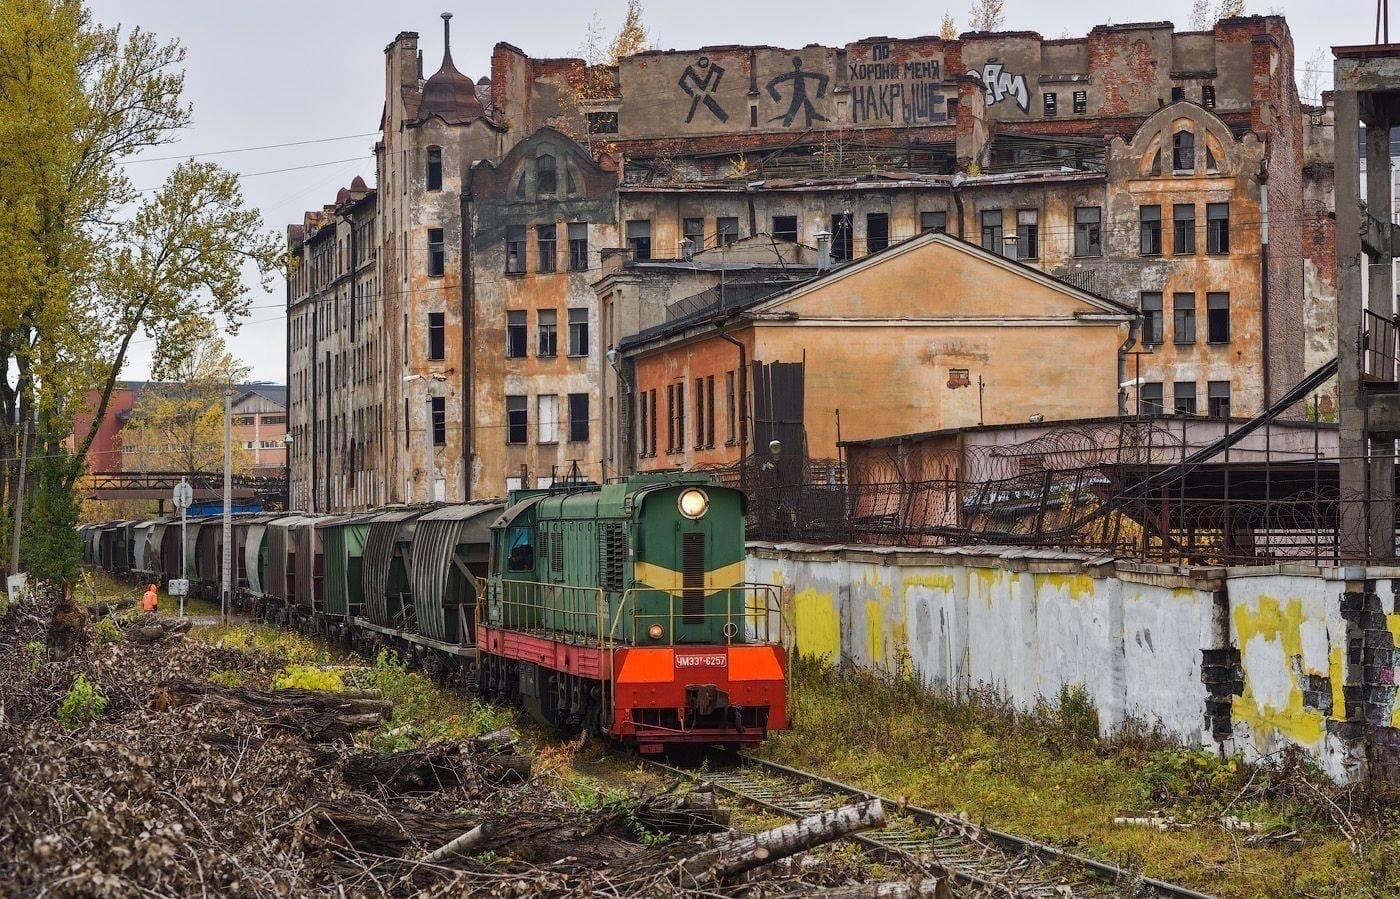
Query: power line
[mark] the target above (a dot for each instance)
(294, 168)
(295, 143)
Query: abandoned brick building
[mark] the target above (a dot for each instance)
(464, 339)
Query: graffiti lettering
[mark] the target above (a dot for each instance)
(800, 101)
(1001, 84)
(701, 90)
(895, 92)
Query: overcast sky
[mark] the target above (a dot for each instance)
(262, 72)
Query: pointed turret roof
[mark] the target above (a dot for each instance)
(449, 95)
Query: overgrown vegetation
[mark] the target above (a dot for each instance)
(82, 704)
(299, 676)
(1045, 773)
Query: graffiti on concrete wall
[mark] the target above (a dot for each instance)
(1001, 85)
(893, 92)
(800, 101)
(701, 81)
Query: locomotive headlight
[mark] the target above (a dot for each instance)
(655, 632)
(694, 503)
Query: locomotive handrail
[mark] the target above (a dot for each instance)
(751, 612)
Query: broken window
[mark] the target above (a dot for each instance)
(1217, 227)
(1208, 96)
(437, 253)
(727, 230)
(578, 331)
(1178, 93)
(517, 419)
(1183, 318)
(437, 343)
(639, 238)
(1217, 317)
(1028, 234)
(933, 221)
(877, 231)
(547, 242)
(841, 241)
(991, 230)
(693, 230)
(515, 250)
(517, 331)
(1081, 102)
(578, 246)
(1151, 305)
(1150, 398)
(1183, 229)
(547, 418)
(1087, 233)
(546, 176)
(578, 418)
(1184, 397)
(547, 333)
(1049, 102)
(438, 405)
(602, 123)
(1218, 399)
(1150, 230)
(1184, 151)
(434, 173)
(785, 227)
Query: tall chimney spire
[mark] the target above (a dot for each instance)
(447, 38)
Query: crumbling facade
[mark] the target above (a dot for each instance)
(1162, 170)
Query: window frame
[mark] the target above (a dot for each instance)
(639, 243)
(546, 175)
(517, 329)
(437, 412)
(546, 425)
(783, 233)
(693, 229)
(437, 253)
(437, 336)
(1149, 316)
(1214, 399)
(1180, 399)
(1028, 234)
(516, 237)
(1146, 228)
(1183, 227)
(546, 333)
(1217, 230)
(1214, 304)
(547, 248)
(1183, 318)
(997, 231)
(726, 230)
(925, 218)
(872, 244)
(523, 424)
(1147, 404)
(432, 174)
(578, 246)
(1183, 142)
(575, 326)
(575, 422)
(1091, 232)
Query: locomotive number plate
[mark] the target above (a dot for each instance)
(708, 660)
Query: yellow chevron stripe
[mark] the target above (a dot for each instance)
(658, 577)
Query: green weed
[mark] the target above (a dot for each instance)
(107, 631)
(297, 676)
(84, 702)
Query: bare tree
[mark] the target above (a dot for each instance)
(1314, 77)
(1204, 14)
(986, 15)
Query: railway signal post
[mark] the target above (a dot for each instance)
(182, 496)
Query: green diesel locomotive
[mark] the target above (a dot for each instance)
(622, 608)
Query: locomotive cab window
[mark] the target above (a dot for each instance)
(520, 554)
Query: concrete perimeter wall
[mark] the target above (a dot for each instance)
(1253, 659)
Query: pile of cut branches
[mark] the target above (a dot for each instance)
(130, 772)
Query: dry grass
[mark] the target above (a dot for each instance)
(1044, 774)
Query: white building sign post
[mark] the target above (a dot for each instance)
(183, 497)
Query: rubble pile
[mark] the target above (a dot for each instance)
(174, 784)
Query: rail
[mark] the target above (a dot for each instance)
(989, 861)
(751, 613)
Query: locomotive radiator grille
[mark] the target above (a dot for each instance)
(613, 552)
(693, 577)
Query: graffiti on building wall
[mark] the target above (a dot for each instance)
(800, 101)
(894, 92)
(702, 88)
(1001, 85)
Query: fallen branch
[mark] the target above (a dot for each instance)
(460, 846)
(746, 853)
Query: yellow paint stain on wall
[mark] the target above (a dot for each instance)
(1078, 586)
(942, 582)
(875, 632)
(816, 626)
(1272, 621)
(988, 578)
(1393, 623)
(1336, 671)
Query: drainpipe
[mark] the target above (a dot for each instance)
(468, 325)
(743, 403)
(1123, 365)
(1264, 281)
(956, 183)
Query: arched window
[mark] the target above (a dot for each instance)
(1156, 163)
(434, 174)
(546, 179)
(1184, 151)
(520, 187)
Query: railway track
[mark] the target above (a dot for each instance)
(985, 862)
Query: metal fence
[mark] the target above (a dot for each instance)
(1149, 488)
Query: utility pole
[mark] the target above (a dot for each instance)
(227, 581)
(19, 497)
(182, 496)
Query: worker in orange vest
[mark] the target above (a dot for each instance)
(150, 602)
